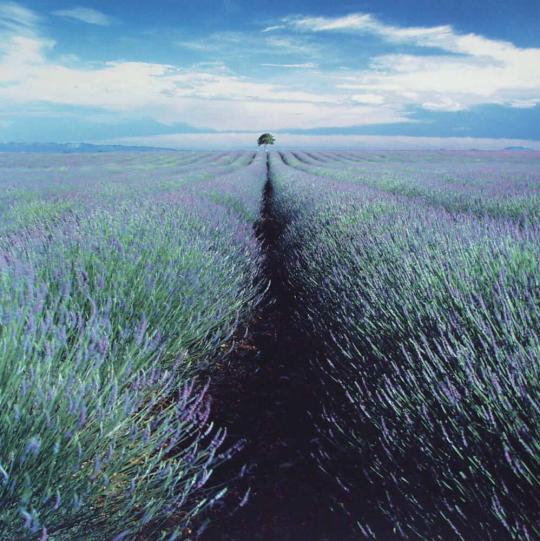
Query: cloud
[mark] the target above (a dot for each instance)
(451, 83)
(374, 99)
(274, 27)
(210, 98)
(442, 37)
(206, 96)
(470, 69)
(21, 49)
(291, 45)
(17, 18)
(366, 23)
(305, 65)
(169, 95)
(525, 104)
(250, 44)
(85, 15)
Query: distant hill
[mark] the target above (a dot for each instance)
(517, 148)
(72, 148)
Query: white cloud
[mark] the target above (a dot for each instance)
(211, 98)
(305, 65)
(525, 104)
(16, 18)
(273, 28)
(235, 45)
(374, 99)
(470, 70)
(287, 44)
(21, 50)
(450, 83)
(170, 94)
(85, 15)
(366, 23)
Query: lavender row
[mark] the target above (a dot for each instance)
(499, 185)
(33, 195)
(241, 191)
(108, 314)
(428, 325)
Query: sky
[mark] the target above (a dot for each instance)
(216, 73)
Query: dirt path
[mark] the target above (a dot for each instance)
(265, 400)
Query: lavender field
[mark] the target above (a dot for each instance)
(419, 274)
(121, 278)
(132, 284)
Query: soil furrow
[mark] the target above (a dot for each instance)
(265, 400)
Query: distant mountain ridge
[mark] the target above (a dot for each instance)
(72, 148)
(517, 148)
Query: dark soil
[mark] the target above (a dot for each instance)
(264, 398)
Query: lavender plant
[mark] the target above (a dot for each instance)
(109, 309)
(428, 325)
(496, 184)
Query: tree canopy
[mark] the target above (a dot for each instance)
(266, 139)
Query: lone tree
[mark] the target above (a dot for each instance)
(266, 139)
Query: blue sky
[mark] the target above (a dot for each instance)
(202, 72)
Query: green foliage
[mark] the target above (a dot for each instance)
(428, 368)
(109, 310)
(266, 139)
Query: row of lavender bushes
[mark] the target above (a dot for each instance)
(494, 184)
(428, 326)
(110, 307)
